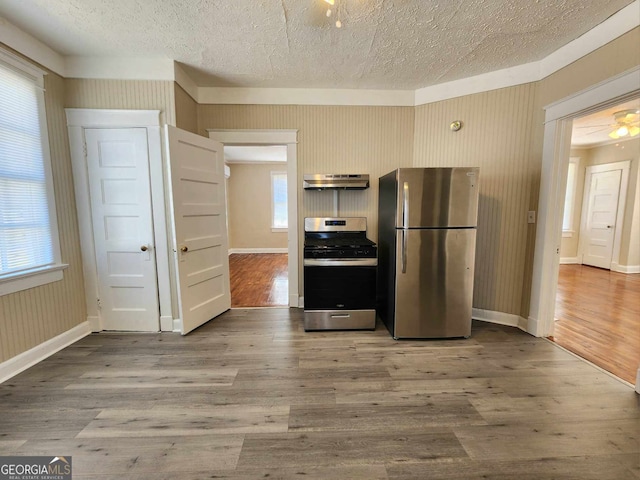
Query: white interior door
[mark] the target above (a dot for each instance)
(120, 193)
(200, 226)
(602, 208)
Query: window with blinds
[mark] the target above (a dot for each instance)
(27, 242)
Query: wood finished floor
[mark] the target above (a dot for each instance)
(259, 279)
(251, 395)
(598, 317)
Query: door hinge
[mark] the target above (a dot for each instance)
(99, 303)
(84, 150)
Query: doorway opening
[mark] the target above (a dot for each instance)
(288, 139)
(596, 304)
(257, 213)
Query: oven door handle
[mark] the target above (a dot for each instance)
(328, 262)
(403, 252)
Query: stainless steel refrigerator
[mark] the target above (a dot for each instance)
(427, 219)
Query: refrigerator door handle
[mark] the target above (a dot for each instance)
(405, 205)
(403, 255)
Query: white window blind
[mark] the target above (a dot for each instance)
(279, 200)
(25, 230)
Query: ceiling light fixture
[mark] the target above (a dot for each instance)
(332, 3)
(626, 123)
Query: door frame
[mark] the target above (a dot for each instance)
(624, 165)
(553, 183)
(276, 137)
(77, 120)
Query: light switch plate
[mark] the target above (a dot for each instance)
(531, 216)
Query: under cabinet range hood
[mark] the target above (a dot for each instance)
(329, 181)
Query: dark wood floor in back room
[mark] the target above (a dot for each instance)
(251, 395)
(259, 279)
(598, 317)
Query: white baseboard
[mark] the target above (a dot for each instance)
(166, 323)
(300, 302)
(569, 261)
(625, 268)
(27, 359)
(94, 323)
(258, 250)
(294, 301)
(500, 318)
(638, 380)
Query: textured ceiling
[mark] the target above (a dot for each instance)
(385, 44)
(594, 129)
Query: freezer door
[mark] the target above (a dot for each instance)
(437, 197)
(434, 283)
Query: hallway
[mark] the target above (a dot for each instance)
(598, 317)
(259, 280)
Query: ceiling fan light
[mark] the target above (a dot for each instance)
(330, 2)
(614, 134)
(622, 131)
(633, 131)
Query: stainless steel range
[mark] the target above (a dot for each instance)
(339, 274)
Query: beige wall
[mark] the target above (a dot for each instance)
(372, 140)
(569, 245)
(33, 316)
(249, 206)
(497, 137)
(186, 110)
(125, 94)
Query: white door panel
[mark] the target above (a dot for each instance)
(120, 193)
(602, 208)
(200, 226)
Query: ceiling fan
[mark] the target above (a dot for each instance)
(627, 123)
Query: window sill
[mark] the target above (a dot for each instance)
(17, 282)
(278, 229)
(567, 233)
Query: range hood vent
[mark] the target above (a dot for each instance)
(329, 181)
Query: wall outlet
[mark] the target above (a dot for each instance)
(531, 216)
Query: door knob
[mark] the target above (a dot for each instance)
(184, 249)
(144, 248)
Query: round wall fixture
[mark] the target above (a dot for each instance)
(455, 125)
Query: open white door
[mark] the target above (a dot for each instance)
(200, 226)
(602, 194)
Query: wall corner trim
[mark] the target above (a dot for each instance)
(569, 261)
(615, 267)
(21, 362)
(499, 318)
(259, 250)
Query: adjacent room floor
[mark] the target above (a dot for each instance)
(251, 395)
(259, 279)
(598, 317)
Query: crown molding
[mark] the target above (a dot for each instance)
(31, 47)
(120, 68)
(507, 77)
(305, 96)
(183, 79)
(613, 27)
